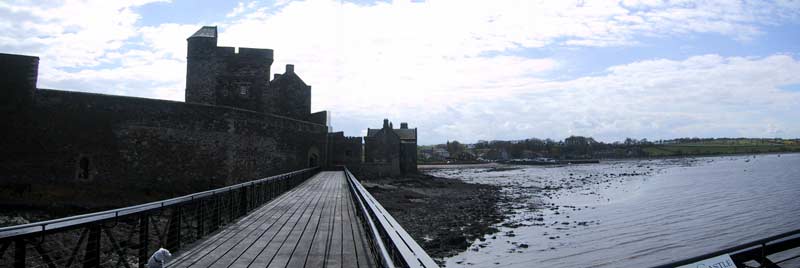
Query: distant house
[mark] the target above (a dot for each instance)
(440, 153)
(396, 149)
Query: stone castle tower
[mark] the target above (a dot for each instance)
(227, 77)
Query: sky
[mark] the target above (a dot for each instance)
(456, 70)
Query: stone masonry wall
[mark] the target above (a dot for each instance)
(344, 150)
(73, 149)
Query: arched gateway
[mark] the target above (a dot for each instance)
(313, 157)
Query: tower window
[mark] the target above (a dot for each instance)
(243, 90)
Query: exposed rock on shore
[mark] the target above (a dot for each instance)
(443, 215)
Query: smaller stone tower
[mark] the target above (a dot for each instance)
(396, 148)
(18, 76)
(289, 96)
(202, 66)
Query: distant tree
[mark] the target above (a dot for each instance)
(579, 146)
(455, 147)
(482, 144)
(631, 141)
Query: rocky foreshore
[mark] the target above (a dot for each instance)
(443, 215)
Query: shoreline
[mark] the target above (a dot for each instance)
(445, 216)
(469, 165)
(495, 164)
(666, 157)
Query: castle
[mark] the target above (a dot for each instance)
(386, 151)
(397, 147)
(236, 124)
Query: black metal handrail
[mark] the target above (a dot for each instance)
(170, 223)
(753, 251)
(391, 245)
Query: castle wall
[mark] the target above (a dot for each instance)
(382, 153)
(344, 150)
(375, 170)
(72, 149)
(408, 157)
(321, 117)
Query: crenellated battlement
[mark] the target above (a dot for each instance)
(350, 139)
(344, 150)
(240, 77)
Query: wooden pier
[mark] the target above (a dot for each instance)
(313, 225)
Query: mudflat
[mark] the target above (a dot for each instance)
(443, 215)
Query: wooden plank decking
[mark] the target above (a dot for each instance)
(313, 225)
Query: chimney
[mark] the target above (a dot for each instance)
(289, 68)
(385, 123)
(404, 125)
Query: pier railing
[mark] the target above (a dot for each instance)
(391, 245)
(754, 254)
(127, 236)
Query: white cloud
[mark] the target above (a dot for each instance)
(429, 62)
(240, 8)
(84, 45)
(156, 70)
(74, 34)
(704, 95)
(454, 68)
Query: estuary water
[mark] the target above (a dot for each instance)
(636, 213)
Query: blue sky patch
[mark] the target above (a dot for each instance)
(791, 87)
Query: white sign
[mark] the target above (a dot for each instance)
(722, 261)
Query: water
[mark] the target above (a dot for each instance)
(635, 213)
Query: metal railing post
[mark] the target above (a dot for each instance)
(264, 192)
(174, 230)
(257, 189)
(200, 215)
(273, 185)
(230, 206)
(243, 201)
(144, 238)
(217, 213)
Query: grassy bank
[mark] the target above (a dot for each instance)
(717, 149)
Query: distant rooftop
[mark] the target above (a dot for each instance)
(206, 31)
(404, 134)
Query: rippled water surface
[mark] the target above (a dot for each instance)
(634, 213)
